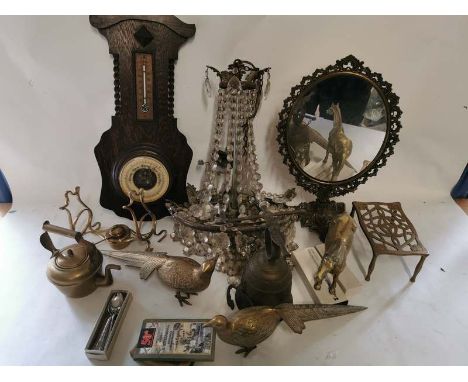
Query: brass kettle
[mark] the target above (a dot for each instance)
(267, 277)
(75, 270)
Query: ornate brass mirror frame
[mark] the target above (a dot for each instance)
(321, 211)
(327, 189)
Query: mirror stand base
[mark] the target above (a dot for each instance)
(319, 215)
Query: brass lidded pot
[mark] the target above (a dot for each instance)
(75, 270)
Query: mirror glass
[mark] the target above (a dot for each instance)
(337, 127)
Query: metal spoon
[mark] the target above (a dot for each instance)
(113, 309)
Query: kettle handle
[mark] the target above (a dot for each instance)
(61, 231)
(229, 298)
(273, 250)
(242, 299)
(46, 242)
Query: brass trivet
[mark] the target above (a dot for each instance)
(389, 232)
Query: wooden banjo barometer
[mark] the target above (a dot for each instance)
(143, 149)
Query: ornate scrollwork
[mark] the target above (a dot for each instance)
(326, 189)
(119, 235)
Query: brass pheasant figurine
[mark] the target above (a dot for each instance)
(248, 327)
(180, 273)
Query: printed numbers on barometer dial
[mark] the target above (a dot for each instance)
(147, 173)
(144, 86)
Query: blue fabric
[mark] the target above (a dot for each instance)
(5, 193)
(460, 190)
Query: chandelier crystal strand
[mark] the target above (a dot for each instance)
(252, 156)
(224, 175)
(229, 154)
(239, 152)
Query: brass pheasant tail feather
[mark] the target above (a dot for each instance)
(146, 261)
(149, 267)
(296, 314)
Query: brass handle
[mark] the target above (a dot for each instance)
(107, 279)
(61, 231)
(46, 242)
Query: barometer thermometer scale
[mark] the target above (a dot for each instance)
(144, 86)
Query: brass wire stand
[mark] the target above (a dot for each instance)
(118, 236)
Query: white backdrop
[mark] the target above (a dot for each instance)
(56, 100)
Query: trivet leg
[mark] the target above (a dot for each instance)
(418, 268)
(371, 267)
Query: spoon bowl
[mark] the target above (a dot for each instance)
(116, 302)
(113, 310)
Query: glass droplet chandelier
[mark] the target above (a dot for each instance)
(224, 217)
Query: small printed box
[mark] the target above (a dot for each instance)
(174, 340)
(105, 332)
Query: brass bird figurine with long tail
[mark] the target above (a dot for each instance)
(248, 327)
(180, 273)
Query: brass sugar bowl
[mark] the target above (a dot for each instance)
(75, 270)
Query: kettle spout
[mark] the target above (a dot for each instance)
(107, 279)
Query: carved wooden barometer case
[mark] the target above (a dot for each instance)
(143, 149)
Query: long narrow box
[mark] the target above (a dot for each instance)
(106, 353)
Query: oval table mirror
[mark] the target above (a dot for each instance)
(337, 127)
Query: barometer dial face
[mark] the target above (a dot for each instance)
(144, 86)
(147, 173)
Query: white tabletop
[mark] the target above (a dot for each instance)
(405, 323)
